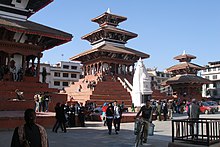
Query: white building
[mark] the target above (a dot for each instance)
(211, 72)
(157, 77)
(61, 74)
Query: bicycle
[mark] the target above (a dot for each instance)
(140, 125)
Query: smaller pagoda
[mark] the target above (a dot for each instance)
(185, 82)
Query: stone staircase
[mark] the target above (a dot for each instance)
(107, 90)
(29, 86)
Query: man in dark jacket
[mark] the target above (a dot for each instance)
(146, 115)
(109, 117)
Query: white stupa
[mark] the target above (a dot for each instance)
(141, 84)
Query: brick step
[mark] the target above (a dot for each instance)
(31, 79)
(27, 93)
(110, 95)
(116, 85)
(12, 122)
(111, 92)
(81, 97)
(80, 93)
(5, 95)
(110, 99)
(24, 84)
(22, 105)
(110, 89)
(16, 105)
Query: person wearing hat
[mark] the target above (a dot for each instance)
(146, 115)
(30, 134)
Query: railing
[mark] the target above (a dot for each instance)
(125, 84)
(202, 131)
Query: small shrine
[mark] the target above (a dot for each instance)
(185, 83)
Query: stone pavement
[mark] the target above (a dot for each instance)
(96, 135)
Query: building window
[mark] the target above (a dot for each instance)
(209, 69)
(73, 75)
(214, 77)
(219, 69)
(214, 69)
(74, 67)
(56, 74)
(66, 75)
(56, 83)
(207, 77)
(65, 84)
(66, 66)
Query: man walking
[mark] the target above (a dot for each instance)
(194, 112)
(109, 117)
(117, 117)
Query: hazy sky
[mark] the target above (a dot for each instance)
(165, 28)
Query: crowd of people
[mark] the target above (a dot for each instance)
(42, 100)
(67, 115)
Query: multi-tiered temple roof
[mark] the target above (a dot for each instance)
(185, 66)
(15, 28)
(185, 82)
(185, 71)
(109, 41)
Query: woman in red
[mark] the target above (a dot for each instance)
(104, 108)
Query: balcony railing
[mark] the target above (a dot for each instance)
(202, 131)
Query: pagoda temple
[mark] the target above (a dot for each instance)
(185, 82)
(109, 63)
(22, 43)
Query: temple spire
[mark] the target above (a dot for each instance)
(184, 52)
(108, 11)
